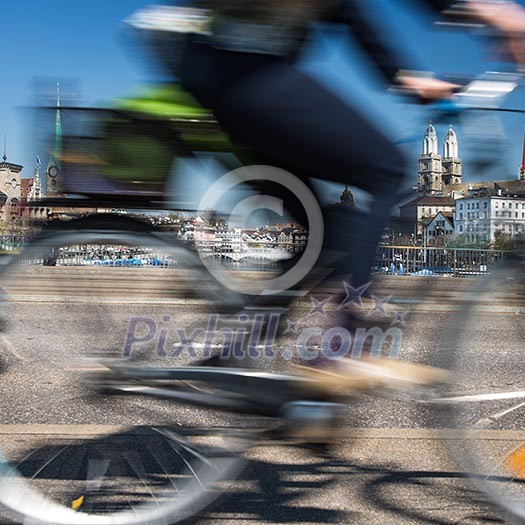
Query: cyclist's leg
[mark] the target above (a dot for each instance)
(297, 124)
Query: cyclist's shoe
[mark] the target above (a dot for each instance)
(367, 374)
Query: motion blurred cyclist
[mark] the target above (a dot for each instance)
(245, 72)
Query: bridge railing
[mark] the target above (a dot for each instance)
(389, 259)
(104, 255)
(12, 242)
(444, 261)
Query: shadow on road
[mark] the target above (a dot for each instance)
(279, 485)
(284, 492)
(428, 497)
(334, 491)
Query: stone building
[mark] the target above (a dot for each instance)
(439, 228)
(481, 218)
(10, 192)
(26, 187)
(438, 174)
(478, 211)
(418, 213)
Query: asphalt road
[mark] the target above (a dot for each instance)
(389, 466)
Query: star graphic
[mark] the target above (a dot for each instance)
(379, 304)
(317, 306)
(400, 318)
(353, 295)
(292, 327)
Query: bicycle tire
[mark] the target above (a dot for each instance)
(59, 476)
(482, 406)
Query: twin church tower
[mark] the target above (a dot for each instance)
(438, 173)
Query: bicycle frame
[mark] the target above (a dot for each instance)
(243, 390)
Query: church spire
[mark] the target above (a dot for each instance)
(53, 166)
(430, 142)
(451, 145)
(58, 125)
(36, 193)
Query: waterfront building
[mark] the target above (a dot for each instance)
(471, 206)
(481, 219)
(417, 213)
(440, 227)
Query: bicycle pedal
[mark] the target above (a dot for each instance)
(311, 422)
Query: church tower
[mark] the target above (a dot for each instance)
(36, 193)
(452, 165)
(53, 167)
(430, 166)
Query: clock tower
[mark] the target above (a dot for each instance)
(53, 167)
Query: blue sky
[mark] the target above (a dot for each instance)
(81, 44)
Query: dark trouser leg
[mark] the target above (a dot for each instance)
(294, 123)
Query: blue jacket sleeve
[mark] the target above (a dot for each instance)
(373, 39)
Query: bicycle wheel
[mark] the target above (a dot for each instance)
(486, 403)
(69, 455)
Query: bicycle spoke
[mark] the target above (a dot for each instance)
(175, 440)
(137, 465)
(97, 470)
(47, 463)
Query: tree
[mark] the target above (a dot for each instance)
(175, 217)
(212, 218)
(503, 242)
(461, 241)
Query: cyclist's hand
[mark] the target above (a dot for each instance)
(427, 88)
(508, 19)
